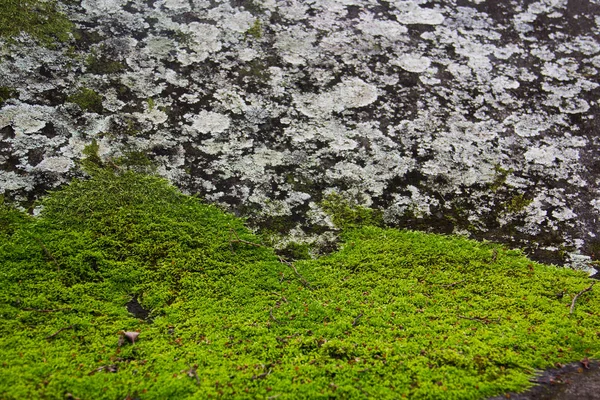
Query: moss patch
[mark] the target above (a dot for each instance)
(255, 30)
(40, 19)
(87, 99)
(7, 93)
(345, 214)
(393, 314)
(99, 63)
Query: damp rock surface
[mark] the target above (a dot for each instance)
(469, 117)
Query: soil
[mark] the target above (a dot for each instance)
(575, 381)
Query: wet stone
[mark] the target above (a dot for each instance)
(470, 117)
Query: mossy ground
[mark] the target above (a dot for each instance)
(42, 20)
(392, 314)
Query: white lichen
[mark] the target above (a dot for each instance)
(208, 122)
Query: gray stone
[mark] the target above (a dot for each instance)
(472, 117)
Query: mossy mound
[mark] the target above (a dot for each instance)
(393, 314)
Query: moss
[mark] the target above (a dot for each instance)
(255, 30)
(256, 69)
(40, 19)
(345, 214)
(11, 219)
(87, 99)
(101, 65)
(517, 203)
(500, 177)
(392, 314)
(7, 93)
(136, 161)
(151, 103)
(296, 251)
(92, 159)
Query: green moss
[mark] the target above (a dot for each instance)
(500, 177)
(392, 314)
(92, 159)
(101, 65)
(136, 161)
(517, 203)
(7, 93)
(296, 251)
(255, 69)
(40, 19)
(87, 99)
(255, 30)
(345, 214)
(181, 37)
(151, 103)
(11, 219)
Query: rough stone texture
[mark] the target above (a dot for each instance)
(476, 117)
(569, 382)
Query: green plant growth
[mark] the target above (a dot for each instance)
(500, 177)
(40, 19)
(517, 203)
(102, 65)
(7, 93)
(87, 99)
(151, 103)
(255, 30)
(92, 160)
(345, 214)
(137, 161)
(393, 314)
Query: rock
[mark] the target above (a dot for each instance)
(479, 119)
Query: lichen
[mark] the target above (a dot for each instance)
(410, 105)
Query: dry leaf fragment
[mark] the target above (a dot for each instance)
(586, 363)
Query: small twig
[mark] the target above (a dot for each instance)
(452, 284)
(291, 265)
(38, 310)
(59, 331)
(273, 318)
(238, 240)
(479, 319)
(261, 376)
(48, 254)
(579, 294)
(193, 374)
(355, 322)
(109, 368)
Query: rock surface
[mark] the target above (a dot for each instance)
(569, 382)
(476, 117)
